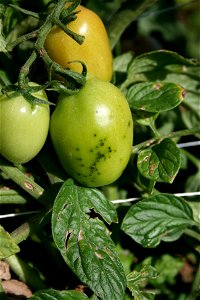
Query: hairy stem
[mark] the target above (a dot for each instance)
(21, 179)
(193, 233)
(34, 224)
(154, 129)
(25, 70)
(22, 39)
(192, 158)
(10, 196)
(154, 140)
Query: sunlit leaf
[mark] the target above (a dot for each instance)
(137, 280)
(85, 242)
(58, 295)
(121, 62)
(155, 96)
(124, 18)
(7, 246)
(162, 217)
(161, 162)
(158, 65)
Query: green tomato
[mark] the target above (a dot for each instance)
(24, 126)
(92, 132)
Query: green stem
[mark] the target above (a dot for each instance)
(192, 158)
(196, 282)
(9, 196)
(193, 233)
(154, 129)
(34, 224)
(175, 134)
(78, 38)
(26, 273)
(21, 179)
(151, 186)
(25, 70)
(4, 81)
(127, 16)
(42, 32)
(22, 39)
(25, 11)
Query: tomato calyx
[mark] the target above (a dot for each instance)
(61, 14)
(13, 91)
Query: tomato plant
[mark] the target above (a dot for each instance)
(92, 132)
(113, 207)
(24, 126)
(95, 50)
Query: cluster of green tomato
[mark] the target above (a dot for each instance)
(91, 131)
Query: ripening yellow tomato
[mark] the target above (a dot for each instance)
(95, 51)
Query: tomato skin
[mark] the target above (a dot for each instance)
(24, 127)
(95, 51)
(92, 133)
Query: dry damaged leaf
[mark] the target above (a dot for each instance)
(4, 270)
(16, 287)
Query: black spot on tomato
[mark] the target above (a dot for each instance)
(100, 156)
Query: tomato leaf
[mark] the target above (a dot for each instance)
(160, 162)
(193, 182)
(162, 217)
(157, 66)
(155, 96)
(122, 19)
(2, 39)
(137, 280)
(57, 295)
(7, 246)
(144, 117)
(168, 66)
(121, 62)
(168, 268)
(85, 242)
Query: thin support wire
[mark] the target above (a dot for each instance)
(189, 144)
(191, 194)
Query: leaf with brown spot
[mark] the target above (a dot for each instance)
(85, 241)
(160, 162)
(155, 97)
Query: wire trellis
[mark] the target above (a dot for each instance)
(120, 201)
